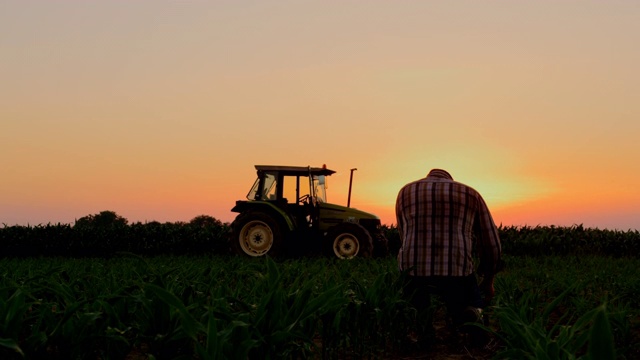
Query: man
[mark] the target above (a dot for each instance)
(441, 224)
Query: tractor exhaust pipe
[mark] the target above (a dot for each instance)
(350, 182)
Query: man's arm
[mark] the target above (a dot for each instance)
(399, 214)
(489, 248)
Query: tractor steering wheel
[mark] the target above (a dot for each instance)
(304, 198)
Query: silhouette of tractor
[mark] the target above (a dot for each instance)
(287, 213)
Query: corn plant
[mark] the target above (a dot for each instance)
(553, 331)
(13, 311)
(218, 307)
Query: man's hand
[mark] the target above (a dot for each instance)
(486, 289)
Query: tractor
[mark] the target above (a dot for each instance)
(287, 214)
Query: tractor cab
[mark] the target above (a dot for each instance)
(296, 190)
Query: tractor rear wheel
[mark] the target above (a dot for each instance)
(256, 234)
(347, 241)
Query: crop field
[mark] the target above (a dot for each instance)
(228, 307)
(107, 289)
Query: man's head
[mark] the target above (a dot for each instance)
(439, 173)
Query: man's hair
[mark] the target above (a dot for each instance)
(440, 173)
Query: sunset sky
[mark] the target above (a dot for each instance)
(159, 110)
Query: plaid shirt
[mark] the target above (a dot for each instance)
(437, 220)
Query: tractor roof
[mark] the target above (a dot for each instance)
(296, 170)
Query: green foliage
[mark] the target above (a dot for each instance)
(170, 307)
(232, 307)
(553, 240)
(13, 312)
(203, 221)
(574, 240)
(393, 239)
(106, 234)
(129, 298)
(530, 335)
(552, 307)
(105, 219)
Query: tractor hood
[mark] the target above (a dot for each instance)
(339, 209)
(332, 214)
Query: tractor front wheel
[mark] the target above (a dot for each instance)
(256, 234)
(347, 241)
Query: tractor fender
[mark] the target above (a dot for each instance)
(265, 207)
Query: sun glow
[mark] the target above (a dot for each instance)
(163, 116)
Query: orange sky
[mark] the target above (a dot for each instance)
(158, 110)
